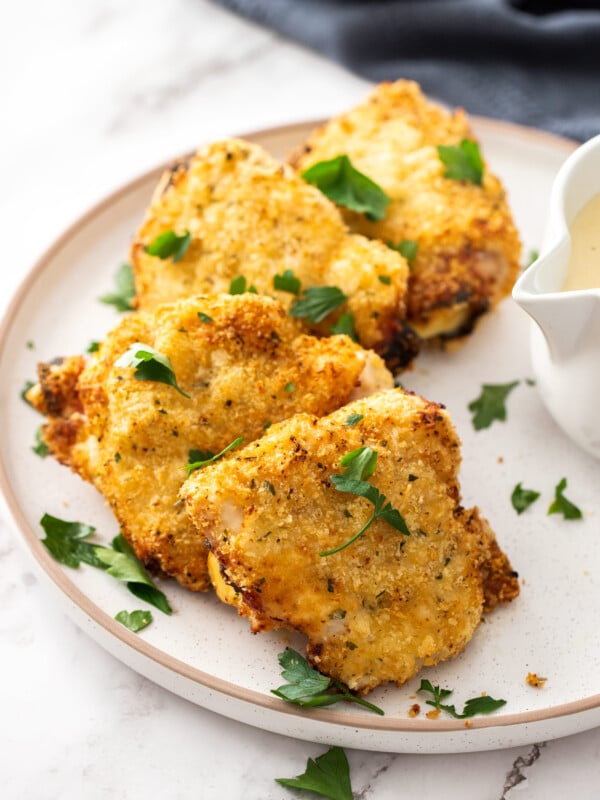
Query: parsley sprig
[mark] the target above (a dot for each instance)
(66, 543)
(522, 498)
(317, 302)
(149, 365)
(463, 163)
(560, 504)
(308, 688)
(170, 245)
(122, 297)
(239, 285)
(134, 620)
(360, 465)
(475, 705)
(204, 458)
(287, 282)
(341, 182)
(328, 775)
(491, 404)
(407, 248)
(345, 324)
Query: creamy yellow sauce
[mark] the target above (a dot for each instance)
(584, 265)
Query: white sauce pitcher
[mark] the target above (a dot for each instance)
(565, 339)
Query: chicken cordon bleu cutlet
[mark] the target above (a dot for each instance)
(235, 365)
(250, 218)
(467, 246)
(282, 517)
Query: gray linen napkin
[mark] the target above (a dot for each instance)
(530, 61)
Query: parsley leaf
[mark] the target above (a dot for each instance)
(287, 282)
(463, 163)
(134, 620)
(92, 347)
(561, 505)
(532, 257)
(328, 775)
(64, 542)
(346, 186)
(360, 464)
(40, 448)
(521, 498)
(122, 297)
(317, 302)
(26, 387)
(150, 365)
(475, 705)
(352, 420)
(490, 404)
(345, 324)
(210, 459)
(204, 317)
(239, 285)
(170, 245)
(306, 686)
(407, 248)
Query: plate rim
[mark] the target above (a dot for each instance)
(61, 580)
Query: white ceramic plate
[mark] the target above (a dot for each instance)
(204, 652)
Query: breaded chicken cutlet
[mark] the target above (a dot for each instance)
(243, 364)
(251, 217)
(389, 602)
(468, 247)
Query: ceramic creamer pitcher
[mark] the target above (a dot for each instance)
(565, 339)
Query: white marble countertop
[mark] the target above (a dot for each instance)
(93, 94)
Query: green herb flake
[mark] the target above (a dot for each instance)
(204, 317)
(490, 405)
(65, 542)
(385, 279)
(345, 325)
(532, 257)
(269, 487)
(23, 394)
(287, 282)
(40, 448)
(474, 706)
(328, 776)
(143, 587)
(346, 186)
(170, 245)
(306, 686)
(30, 345)
(360, 465)
(289, 387)
(210, 457)
(317, 302)
(122, 297)
(521, 498)
(135, 620)
(560, 504)
(149, 365)
(407, 248)
(267, 425)
(463, 163)
(353, 419)
(239, 285)
(92, 347)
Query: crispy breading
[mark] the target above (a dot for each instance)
(250, 215)
(388, 603)
(245, 364)
(468, 247)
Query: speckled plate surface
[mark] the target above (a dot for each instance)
(204, 652)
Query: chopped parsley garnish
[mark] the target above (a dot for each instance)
(204, 317)
(521, 498)
(352, 420)
(150, 365)
(360, 465)
(490, 405)
(308, 688)
(346, 186)
(170, 245)
(122, 297)
(26, 387)
(532, 257)
(40, 448)
(345, 324)
(289, 387)
(317, 302)
(92, 347)
(65, 541)
(560, 504)
(407, 248)
(287, 282)
(463, 163)
(134, 620)
(385, 279)
(328, 775)
(210, 458)
(239, 285)
(476, 705)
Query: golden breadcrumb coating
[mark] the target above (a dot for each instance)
(250, 215)
(387, 604)
(244, 364)
(468, 247)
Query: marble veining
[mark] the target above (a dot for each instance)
(98, 92)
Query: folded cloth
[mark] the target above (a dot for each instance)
(530, 61)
